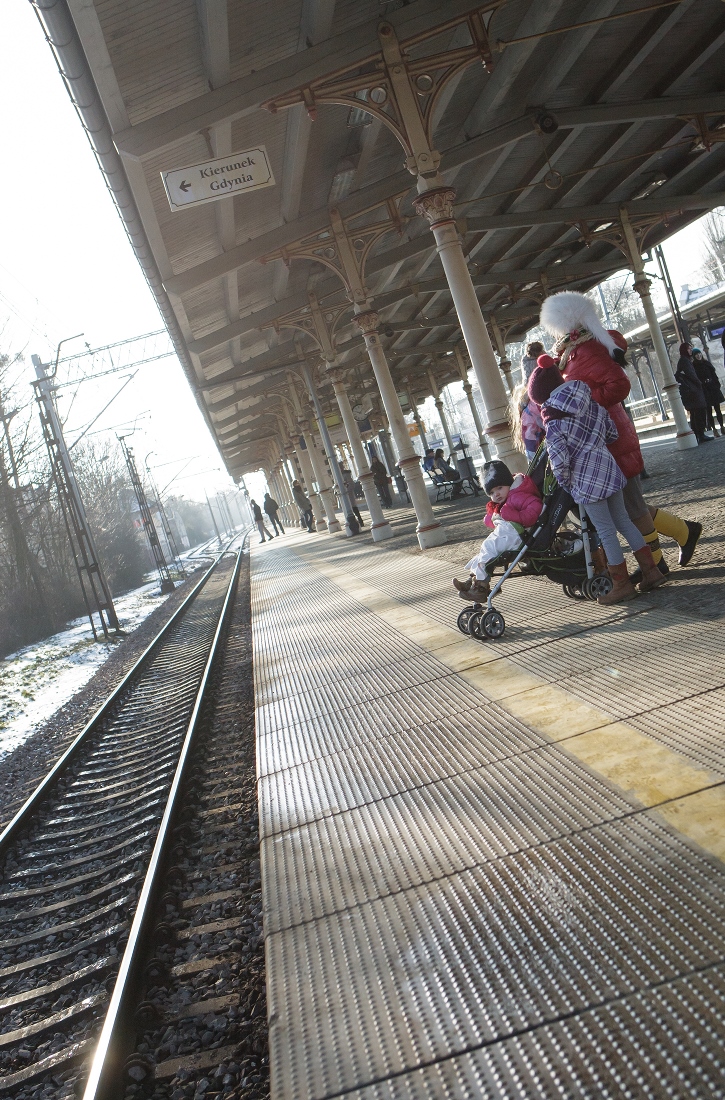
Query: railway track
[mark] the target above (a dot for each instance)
(83, 858)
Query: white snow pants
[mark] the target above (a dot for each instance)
(503, 537)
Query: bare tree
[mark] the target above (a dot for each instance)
(714, 263)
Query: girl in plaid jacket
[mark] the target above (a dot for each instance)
(577, 433)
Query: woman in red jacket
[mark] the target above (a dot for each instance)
(587, 352)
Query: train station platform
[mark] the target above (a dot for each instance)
(489, 869)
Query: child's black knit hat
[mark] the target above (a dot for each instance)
(496, 473)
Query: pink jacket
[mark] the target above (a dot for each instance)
(523, 504)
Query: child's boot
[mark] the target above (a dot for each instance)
(477, 593)
(462, 586)
(622, 589)
(651, 576)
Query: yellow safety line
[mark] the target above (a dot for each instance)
(690, 798)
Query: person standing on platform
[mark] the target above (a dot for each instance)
(259, 520)
(587, 352)
(528, 361)
(304, 504)
(348, 482)
(382, 482)
(692, 393)
(271, 507)
(710, 383)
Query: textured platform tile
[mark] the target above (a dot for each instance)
(417, 976)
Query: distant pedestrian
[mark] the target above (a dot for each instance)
(259, 520)
(348, 482)
(304, 504)
(271, 507)
(528, 361)
(692, 393)
(713, 392)
(382, 482)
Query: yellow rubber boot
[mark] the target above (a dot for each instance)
(672, 526)
(653, 541)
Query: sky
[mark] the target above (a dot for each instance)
(66, 265)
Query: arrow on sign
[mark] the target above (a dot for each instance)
(184, 186)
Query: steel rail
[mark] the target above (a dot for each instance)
(104, 1080)
(61, 765)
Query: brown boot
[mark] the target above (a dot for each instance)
(462, 586)
(651, 576)
(477, 593)
(622, 590)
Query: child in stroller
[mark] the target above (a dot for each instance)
(515, 504)
(549, 547)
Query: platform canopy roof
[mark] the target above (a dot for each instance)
(548, 117)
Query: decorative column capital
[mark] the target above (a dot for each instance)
(303, 424)
(642, 284)
(335, 375)
(467, 388)
(367, 322)
(436, 205)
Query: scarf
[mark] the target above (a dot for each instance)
(568, 342)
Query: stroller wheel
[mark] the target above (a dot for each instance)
(463, 619)
(493, 623)
(474, 625)
(573, 591)
(600, 585)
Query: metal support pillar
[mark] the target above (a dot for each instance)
(379, 525)
(468, 390)
(417, 418)
(504, 363)
(436, 205)
(441, 411)
(304, 457)
(429, 530)
(94, 586)
(330, 450)
(685, 436)
(324, 488)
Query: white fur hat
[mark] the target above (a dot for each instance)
(567, 311)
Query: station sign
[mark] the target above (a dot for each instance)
(218, 179)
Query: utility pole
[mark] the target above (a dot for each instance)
(168, 531)
(94, 586)
(211, 513)
(679, 321)
(166, 583)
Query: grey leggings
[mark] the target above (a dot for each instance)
(610, 516)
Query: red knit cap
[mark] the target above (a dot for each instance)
(543, 382)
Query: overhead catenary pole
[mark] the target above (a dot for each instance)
(213, 520)
(147, 520)
(94, 586)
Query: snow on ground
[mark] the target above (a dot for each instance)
(38, 679)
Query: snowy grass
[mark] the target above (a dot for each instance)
(37, 680)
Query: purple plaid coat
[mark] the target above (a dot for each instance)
(577, 444)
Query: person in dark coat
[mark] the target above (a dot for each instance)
(711, 387)
(382, 482)
(271, 507)
(259, 520)
(304, 504)
(692, 393)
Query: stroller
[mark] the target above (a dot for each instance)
(553, 548)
